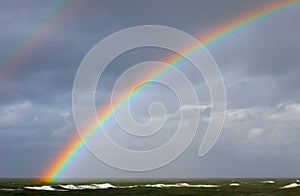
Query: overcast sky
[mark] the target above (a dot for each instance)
(42, 44)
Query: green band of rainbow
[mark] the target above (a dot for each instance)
(63, 159)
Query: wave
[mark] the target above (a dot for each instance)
(268, 182)
(107, 185)
(41, 188)
(293, 185)
(10, 189)
(69, 187)
(125, 187)
(90, 187)
(181, 185)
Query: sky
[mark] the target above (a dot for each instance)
(42, 44)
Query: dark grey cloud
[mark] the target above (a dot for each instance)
(260, 66)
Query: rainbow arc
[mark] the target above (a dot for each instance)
(75, 146)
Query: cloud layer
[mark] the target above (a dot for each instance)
(260, 66)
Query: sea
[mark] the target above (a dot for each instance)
(151, 187)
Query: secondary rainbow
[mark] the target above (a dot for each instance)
(63, 159)
(39, 34)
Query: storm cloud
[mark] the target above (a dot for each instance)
(259, 64)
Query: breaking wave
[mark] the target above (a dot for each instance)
(10, 189)
(69, 187)
(99, 186)
(234, 184)
(182, 185)
(41, 188)
(268, 182)
(293, 185)
(90, 187)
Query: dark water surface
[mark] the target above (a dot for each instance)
(152, 187)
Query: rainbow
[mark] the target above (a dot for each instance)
(72, 149)
(46, 27)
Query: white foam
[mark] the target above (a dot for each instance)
(234, 184)
(86, 186)
(69, 187)
(181, 185)
(297, 180)
(7, 189)
(45, 188)
(293, 185)
(125, 187)
(197, 185)
(66, 187)
(155, 185)
(205, 185)
(268, 182)
(104, 186)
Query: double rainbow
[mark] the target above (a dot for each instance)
(72, 149)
